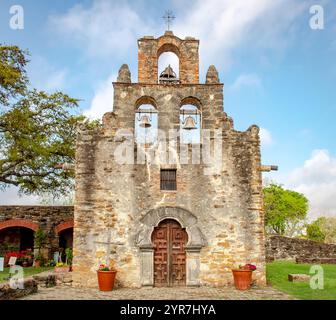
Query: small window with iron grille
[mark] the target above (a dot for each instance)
(168, 179)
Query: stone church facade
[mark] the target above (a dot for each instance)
(208, 220)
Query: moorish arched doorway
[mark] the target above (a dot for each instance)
(194, 242)
(169, 240)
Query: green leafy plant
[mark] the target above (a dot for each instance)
(104, 267)
(69, 256)
(39, 239)
(50, 263)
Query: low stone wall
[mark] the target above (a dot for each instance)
(284, 248)
(8, 293)
(51, 219)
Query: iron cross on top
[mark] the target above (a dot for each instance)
(169, 17)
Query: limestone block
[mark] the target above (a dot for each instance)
(298, 277)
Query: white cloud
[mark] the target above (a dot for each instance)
(224, 25)
(102, 101)
(265, 137)
(317, 180)
(45, 76)
(10, 196)
(109, 28)
(105, 29)
(246, 80)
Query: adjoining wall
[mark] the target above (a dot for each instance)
(284, 248)
(49, 218)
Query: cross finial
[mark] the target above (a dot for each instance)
(169, 17)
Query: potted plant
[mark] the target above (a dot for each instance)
(106, 277)
(62, 267)
(243, 276)
(39, 238)
(38, 261)
(69, 256)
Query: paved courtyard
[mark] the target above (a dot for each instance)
(203, 293)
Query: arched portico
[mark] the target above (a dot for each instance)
(194, 245)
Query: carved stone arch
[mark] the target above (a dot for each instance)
(145, 100)
(29, 224)
(64, 226)
(196, 241)
(169, 47)
(171, 44)
(193, 101)
(186, 219)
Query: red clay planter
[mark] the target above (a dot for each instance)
(106, 280)
(242, 279)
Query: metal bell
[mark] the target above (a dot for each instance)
(189, 123)
(145, 122)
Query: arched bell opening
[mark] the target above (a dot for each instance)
(168, 68)
(169, 241)
(146, 124)
(190, 124)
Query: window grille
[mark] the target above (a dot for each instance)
(168, 179)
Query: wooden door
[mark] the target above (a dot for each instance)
(169, 241)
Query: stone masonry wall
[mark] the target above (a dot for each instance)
(111, 199)
(118, 205)
(45, 217)
(284, 248)
(150, 50)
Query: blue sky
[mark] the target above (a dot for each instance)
(278, 72)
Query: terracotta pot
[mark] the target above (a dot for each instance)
(242, 279)
(37, 264)
(106, 280)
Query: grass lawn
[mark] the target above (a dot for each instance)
(277, 276)
(27, 272)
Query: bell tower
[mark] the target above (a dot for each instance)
(167, 191)
(150, 49)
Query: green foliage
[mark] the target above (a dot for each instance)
(277, 275)
(314, 231)
(13, 77)
(37, 131)
(39, 238)
(285, 210)
(322, 229)
(50, 263)
(69, 256)
(7, 247)
(28, 272)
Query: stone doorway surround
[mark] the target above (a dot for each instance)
(196, 241)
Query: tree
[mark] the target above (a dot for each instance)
(37, 131)
(285, 210)
(314, 231)
(13, 76)
(322, 229)
(328, 226)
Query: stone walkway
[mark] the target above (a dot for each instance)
(202, 293)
